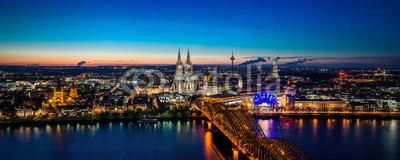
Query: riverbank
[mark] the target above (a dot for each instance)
(337, 115)
(270, 115)
(77, 120)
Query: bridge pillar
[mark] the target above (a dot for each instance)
(209, 125)
(235, 154)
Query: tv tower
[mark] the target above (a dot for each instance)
(232, 59)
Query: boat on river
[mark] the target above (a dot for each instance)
(147, 121)
(285, 119)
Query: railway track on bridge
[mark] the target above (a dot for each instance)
(246, 134)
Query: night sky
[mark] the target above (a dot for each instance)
(116, 32)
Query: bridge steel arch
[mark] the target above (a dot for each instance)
(246, 134)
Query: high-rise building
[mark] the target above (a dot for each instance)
(275, 69)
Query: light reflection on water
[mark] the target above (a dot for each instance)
(208, 150)
(340, 138)
(321, 138)
(165, 140)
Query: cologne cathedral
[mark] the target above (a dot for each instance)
(185, 82)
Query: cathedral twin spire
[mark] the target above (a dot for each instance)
(184, 80)
(184, 69)
(179, 56)
(187, 59)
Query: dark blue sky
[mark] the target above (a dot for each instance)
(361, 27)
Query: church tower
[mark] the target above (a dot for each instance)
(58, 93)
(189, 82)
(73, 91)
(178, 78)
(188, 68)
(179, 65)
(185, 82)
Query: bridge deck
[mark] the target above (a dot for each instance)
(243, 131)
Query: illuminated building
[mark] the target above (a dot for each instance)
(73, 91)
(275, 69)
(65, 104)
(154, 90)
(58, 93)
(320, 105)
(28, 107)
(185, 82)
(264, 100)
(83, 76)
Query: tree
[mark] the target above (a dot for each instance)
(7, 109)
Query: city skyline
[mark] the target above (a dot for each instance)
(334, 33)
(199, 79)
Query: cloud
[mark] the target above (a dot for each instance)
(299, 61)
(373, 58)
(81, 63)
(253, 61)
(114, 61)
(271, 57)
(202, 58)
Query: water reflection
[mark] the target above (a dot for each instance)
(373, 128)
(208, 150)
(394, 128)
(315, 125)
(36, 132)
(110, 127)
(329, 127)
(48, 129)
(58, 138)
(345, 128)
(268, 127)
(301, 123)
(193, 128)
(347, 139)
(178, 129)
(170, 140)
(358, 130)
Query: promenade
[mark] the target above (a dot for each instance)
(327, 114)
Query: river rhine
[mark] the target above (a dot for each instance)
(321, 139)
